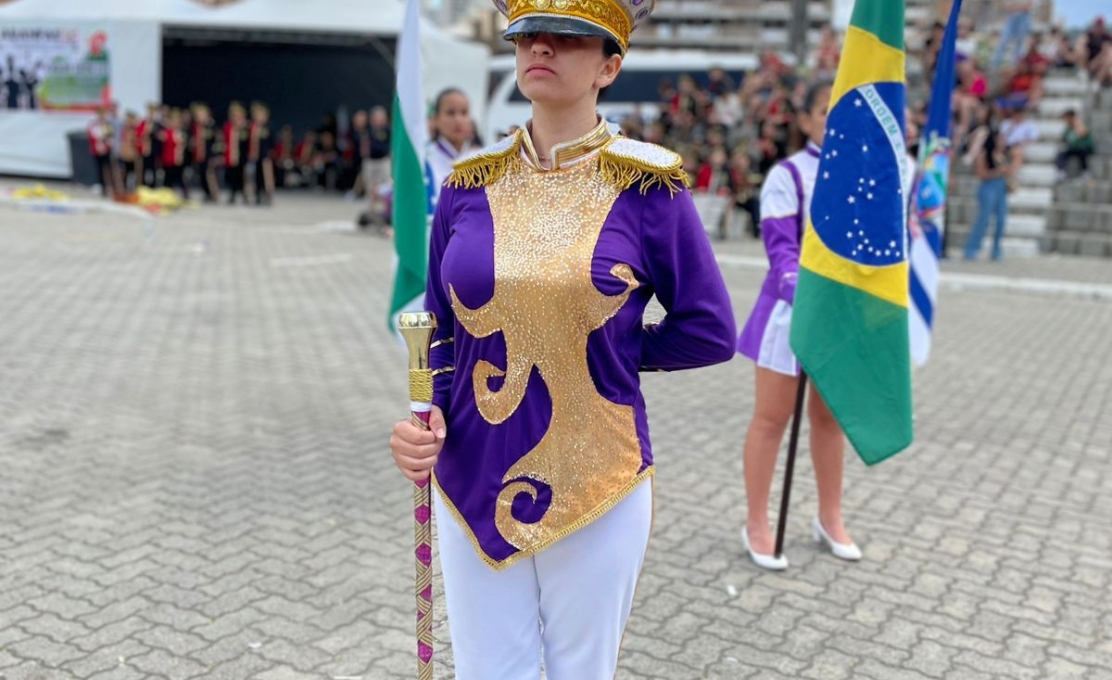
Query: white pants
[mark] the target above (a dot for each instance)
(572, 600)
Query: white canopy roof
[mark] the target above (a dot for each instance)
(376, 17)
(136, 28)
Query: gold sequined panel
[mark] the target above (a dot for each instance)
(546, 227)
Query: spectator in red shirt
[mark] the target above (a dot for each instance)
(1025, 87)
(1035, 59)
(714, 175)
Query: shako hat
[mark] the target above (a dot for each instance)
(611, 19)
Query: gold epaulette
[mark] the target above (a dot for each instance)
(488, 165)
(625, 162)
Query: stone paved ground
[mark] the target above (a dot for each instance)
(194, 481)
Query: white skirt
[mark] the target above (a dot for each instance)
(776, 350)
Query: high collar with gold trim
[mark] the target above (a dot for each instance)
(566, 153)
(621, 161)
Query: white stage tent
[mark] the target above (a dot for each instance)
(35, 141)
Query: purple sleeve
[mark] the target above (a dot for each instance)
(698, 328)
(443, 355)
(781, 200)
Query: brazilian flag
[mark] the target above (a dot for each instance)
(850, 317)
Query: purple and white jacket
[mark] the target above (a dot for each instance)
(539, 279)
(785, 208)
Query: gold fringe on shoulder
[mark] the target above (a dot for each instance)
(624, 171)
(486, 167)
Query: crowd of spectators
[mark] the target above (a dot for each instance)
(1011, 88)
(730, 134)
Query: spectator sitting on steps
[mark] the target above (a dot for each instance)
(1025, 86)
(1077, 142)
(1094, 52)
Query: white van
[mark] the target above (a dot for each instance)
(635, 91)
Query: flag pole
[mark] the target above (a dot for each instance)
(793, 445)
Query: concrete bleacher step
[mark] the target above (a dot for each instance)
(1037, 175)
(1088, 245)
(1078, 192)
(1050, 129)
(1016, 246)
(963, 209)
(1019, 248)
(1054, 107)
(1041, 152)
(1080, 218)
(1029, 226)
(1029, 195)
(1066, 85)
(1032, 199)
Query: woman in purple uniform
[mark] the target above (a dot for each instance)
(546, 247)
(785, 206)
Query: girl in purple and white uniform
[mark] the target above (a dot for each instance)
(452, 141)
(785, 208)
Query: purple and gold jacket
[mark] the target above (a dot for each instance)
(539, 279)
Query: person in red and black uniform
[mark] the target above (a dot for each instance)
(360, 148)
(100, 145)
(148, 129)
(129, 156)
(304, 157)
(260, 145)
(202, 143)
(283, 156)
(236, 138)
(174, 149)
(376, 165)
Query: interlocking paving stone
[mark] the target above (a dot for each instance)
(193, 424)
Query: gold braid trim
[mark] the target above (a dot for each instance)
(487, 166)
(624, 171)
(583, 521)
(420, 385)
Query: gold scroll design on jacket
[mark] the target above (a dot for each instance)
(546, 227)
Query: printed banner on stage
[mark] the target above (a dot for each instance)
(52, 68)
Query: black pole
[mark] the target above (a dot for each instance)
(793, 444)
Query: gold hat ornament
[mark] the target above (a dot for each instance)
(611, 19)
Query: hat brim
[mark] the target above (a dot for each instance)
(557, 25)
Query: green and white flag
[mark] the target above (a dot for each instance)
(409, 137)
